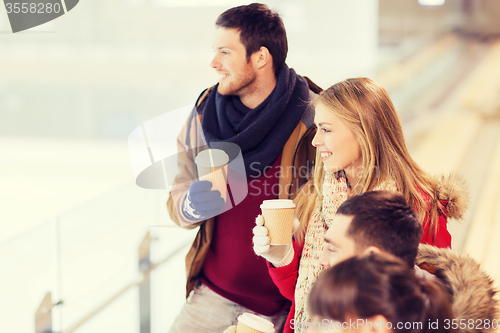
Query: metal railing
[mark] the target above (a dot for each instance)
(43, 316)
(89, 257)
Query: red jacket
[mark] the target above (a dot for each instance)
(285, 277)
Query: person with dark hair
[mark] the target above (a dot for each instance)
(378, 293)
(258, 27)
(373, 222)
(261, 106)
(382, 222)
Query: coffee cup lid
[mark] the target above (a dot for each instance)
(256, 322)
(277, 204)
(211, 158)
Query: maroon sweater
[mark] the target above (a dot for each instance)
(231, 268)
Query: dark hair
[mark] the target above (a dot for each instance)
(385, 220)
(258, 26)
(380, 284)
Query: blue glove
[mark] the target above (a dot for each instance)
(201, 202)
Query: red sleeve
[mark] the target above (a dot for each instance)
(442, 238)
(285, 278)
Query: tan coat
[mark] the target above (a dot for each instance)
(298, 151)
(471, 290)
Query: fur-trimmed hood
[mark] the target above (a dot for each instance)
(471, 289)
(454, 189)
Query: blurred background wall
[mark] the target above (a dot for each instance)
(73, 89)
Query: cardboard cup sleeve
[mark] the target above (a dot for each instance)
(278, 219)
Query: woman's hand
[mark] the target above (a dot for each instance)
(277, 255)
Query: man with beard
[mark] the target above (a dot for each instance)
(259, 105)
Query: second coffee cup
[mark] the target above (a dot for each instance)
(278, 219)
(212, 166)
(250, 323)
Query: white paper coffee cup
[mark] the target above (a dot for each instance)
(278, 219)
(250, 323)
(212, 166)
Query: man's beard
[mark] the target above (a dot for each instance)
(239, 85)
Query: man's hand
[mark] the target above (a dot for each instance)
(201, 202)
(277, 255)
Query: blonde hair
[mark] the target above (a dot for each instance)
(367, 110)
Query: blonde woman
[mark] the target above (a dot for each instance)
(360, 147)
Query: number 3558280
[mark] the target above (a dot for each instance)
(33, 8)
(470, 324)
